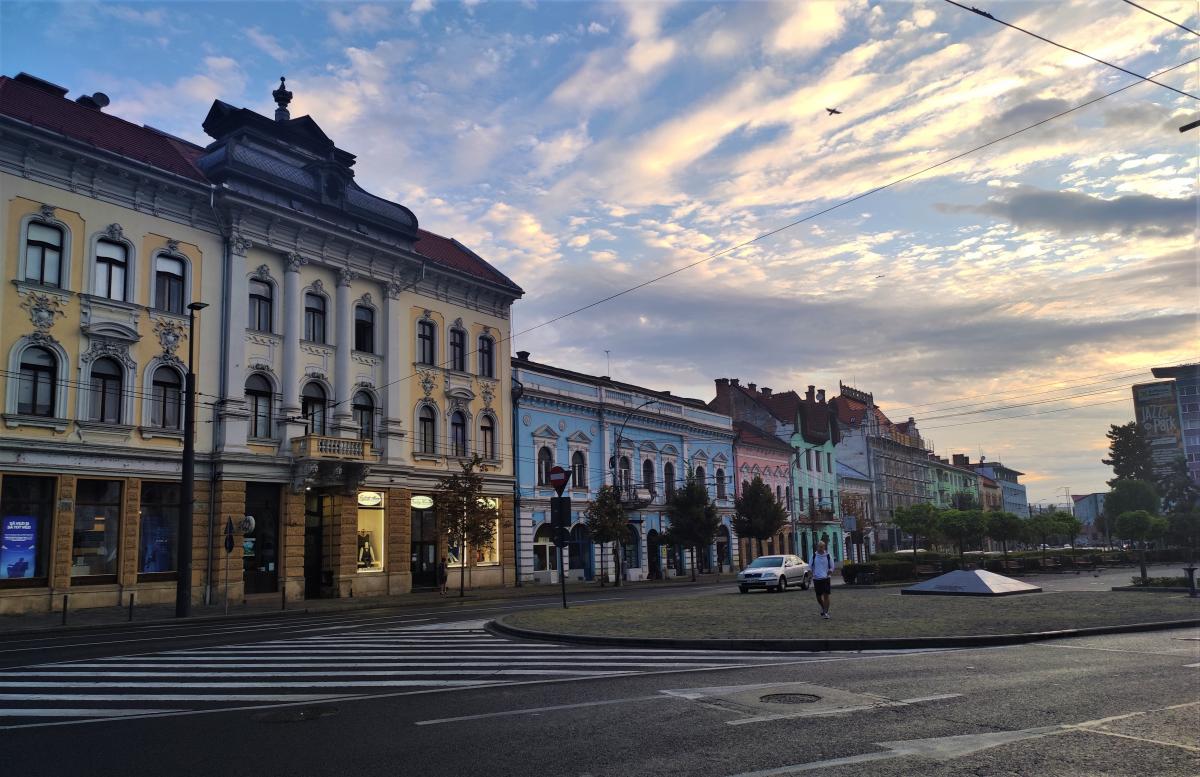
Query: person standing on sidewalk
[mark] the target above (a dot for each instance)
(822, 569)
(443, 576)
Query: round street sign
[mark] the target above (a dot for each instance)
(559, 478)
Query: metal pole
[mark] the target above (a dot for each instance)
(187, 496)
(131, 608)
(65, 598)
(227, 559)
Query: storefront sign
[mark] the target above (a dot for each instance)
(422, 502)
(370, 499)
(18, 546)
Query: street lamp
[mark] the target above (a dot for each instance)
(616, 484)
(183, 585)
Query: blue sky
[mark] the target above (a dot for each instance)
(586, 147)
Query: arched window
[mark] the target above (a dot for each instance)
(314, 317)
(699, 475)
(112, 260)
(312, 407)
(458, 433)
(262, 296)
(720, 484)
(364, 415)
(259, 403)
(487, 437)
(426, 342)
(43, 254)
(545, 461)
(625, 473)
(166, 403)
(427, 434)
(779, 494)
(648, 474)
(633, 543)
(579, 470)
(106, 391)
(487, 359)
(364, 329)
(669, 479)
(458, 350)
(38, 383)
(168, 284)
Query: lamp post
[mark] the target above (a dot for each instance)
(616, 484)
(183, 586)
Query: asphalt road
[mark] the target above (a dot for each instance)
(428, 692)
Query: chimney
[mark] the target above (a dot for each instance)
(722, 384)
(523, 356)
(282, 98)
(752, 386)
(912, 420)
(734, 382)
(809, 394)
(961, 460)
(821, 396)
(766, 391)
(94, 101)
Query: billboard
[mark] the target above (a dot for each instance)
(1157, 414)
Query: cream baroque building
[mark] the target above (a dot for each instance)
(347, 360)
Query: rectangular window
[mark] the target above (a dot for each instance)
(818, 461)
(829, 462)
(364, 329)
(314, 318)
(808, 459)
(425, 344)
(168, 284)
(95, 547)
(458, 350)
(487, 366)
(159, 546)
(111, 261)
(26, 515)
(261, 296)
(43, 254)
(371, 532)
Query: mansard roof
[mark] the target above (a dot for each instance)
(453, 254)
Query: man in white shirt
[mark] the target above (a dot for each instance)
(822, 568)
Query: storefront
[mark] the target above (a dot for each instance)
(424, 550)
(260, 545)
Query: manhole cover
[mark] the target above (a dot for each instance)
(295, 714)
(790, 698)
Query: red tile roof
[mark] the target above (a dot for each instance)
(749, 434)
(39, 107)
(455, 255)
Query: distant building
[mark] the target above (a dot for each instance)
(1089, 509)
(757, 453)
(991, 498)
(953, 486)
(1012, 491)
(858, 513)
(1187, 397)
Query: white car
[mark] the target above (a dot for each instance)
(775, 573)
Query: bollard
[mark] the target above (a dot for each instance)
(283, 596)
(1191, 576)
(65, 597)
(131, 608)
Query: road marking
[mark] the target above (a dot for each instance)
(840, 710)
(535, 710)
(1090, 730)
(265, 676)
(1114, 650)
(75, 712)
(339, 684)
(288, 697)
(1190, 666)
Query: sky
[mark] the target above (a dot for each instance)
(587, 148)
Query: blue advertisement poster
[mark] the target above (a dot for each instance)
(18, 546)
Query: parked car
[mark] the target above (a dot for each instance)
(775, 573)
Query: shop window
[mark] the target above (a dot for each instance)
(364, 329)
(168, 284)
(26, 515)
(312, 407)
(314, 317)
(106, 394)
(371, 531)
(38, 383)
(43, 254)
(166, 400)
(458, 350)
(112, 261)
(487, 361)
(262, 301)
(259, 403)
(579, 470)
(489, 554)
(96, 544)
(426, 350)
(487, 437)
(158, 548)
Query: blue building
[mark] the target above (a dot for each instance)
(1012, 491)
(1088, 508)
(1187, 396)
(605, 432)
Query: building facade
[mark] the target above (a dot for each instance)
(1089, 509)
(607, 432)
(757, 453)
(854, 494)
(952, 486)
(1012, 491)
(347, 360)
(1187, 396)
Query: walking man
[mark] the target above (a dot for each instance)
(822, 568)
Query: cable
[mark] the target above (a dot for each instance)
(1026, 415)
(1027, 404)
(1160, 16)
(987, 15)
(816, 214)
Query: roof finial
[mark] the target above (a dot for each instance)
(282, 98)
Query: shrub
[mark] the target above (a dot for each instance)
(1159, 582)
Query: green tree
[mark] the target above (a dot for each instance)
(606, 521)
(1128, 496)
(463, 513)
(758, 514)
(1183, 529)
(964, 500)
(1004, 527)
(694, 518)
(1041, 527)
(1140, 526)
(962, 526)
(1128, 453)
(1069, 527)
(1179, 493)
(917, 520)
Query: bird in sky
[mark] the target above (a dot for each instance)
(832, 111)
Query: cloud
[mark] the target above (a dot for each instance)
(360, 17)
(596, 28)
(268, 44)
(419, 7)
(1076, 213)
(812, 26)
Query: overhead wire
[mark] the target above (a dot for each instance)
(1160, 16)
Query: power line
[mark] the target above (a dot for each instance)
(987, 15)
(1027, 404)
(1026, 415)
(1160, 16)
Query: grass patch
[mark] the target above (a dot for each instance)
(856, 613)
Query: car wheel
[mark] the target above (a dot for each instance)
(743, 589)
(782, 587)
(806, 582)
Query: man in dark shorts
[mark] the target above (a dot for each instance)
(822, 568)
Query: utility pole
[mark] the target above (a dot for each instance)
(187, 490)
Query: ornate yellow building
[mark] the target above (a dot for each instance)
(347, 360)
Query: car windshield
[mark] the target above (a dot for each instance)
(766, 561)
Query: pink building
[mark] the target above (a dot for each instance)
(757, 453)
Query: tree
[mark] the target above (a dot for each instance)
(964, 500)
(1140, 526)
(1184, 530)
(758, 514)
(1128, 453)
(606, 520)
(917, 520)
(694, 518)
(1041, 527)
(463, 513)
(1004, 527)
(1179, 493)
(1128, 496)
(1070, 527)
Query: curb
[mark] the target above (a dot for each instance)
(1153, 589)
(498, 626)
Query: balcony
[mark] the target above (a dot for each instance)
(634, 497)
(318, 448)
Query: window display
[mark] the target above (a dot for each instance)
(159, 527)
(97, 528)
(370, 531)
(26, 507)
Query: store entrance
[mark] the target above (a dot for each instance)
(424, 546)
(260, 547)
(315, 507)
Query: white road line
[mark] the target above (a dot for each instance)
(257, 697)
(1090, 730)
(1116, 650)
(536, 710)
(76, 712)
(260, 686)
(266, 675)
(317, 664)
(1190, 666)
(839, 711)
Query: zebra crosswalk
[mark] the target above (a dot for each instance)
(312, 669)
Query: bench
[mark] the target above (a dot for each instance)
(1014, 565)
(1050, 565)
(927, 570)
(1081, 564)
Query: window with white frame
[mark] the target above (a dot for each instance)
(313, 405)
(545, 461)
(458, 433)
(314, 317)
(487, 437)
(112, 263)
(364, 329)
(169, 284)
(579, 477)
(44, 254)
(262, 304)
(427, 430)
(487, 359)
(426, 342)
(259, 402)
(364, 415)
(38, 383)
(166, 398)
(106, 391)
(720, 483)
(458, 350)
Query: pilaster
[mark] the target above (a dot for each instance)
(291, 556)
(131, 501)
(62, 537)
(293, 330)
(399, 535)
(343, 425)
(396, 331)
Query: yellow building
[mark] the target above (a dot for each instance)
(347, 361)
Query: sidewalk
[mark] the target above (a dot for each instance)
(270, 607)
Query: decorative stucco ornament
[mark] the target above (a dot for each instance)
(170, 335)
(427, 383)
(488, 392)
(114, 231)
(42, 309)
